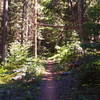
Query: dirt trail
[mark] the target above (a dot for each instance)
(48, 87)
(57, 89)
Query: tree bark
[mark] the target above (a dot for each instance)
(80, 19)
(36, 32)
(82, 34)
(4, 30)
(25, 21)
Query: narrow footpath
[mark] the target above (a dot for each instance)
(57, 87)
(48, 87)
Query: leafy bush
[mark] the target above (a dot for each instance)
(2, 70)
(94, 12)
(5, 75)
(91, 45)
(91, 28)
(17, 56)
(35, 67)
(89, 73)
(63, 52)
(67, 54)
(20, 63)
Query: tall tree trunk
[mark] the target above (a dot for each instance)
(5, 31)
(83, 36)
(36, 33)
(1, 12)
(80, 19)
(71, 8)
(23, 15)
(25, 21)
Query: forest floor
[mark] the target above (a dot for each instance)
(53, 86)
(57, 86)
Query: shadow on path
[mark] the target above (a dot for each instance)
(48, 86)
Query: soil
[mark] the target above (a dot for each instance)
(54, 86)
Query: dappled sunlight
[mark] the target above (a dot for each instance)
(48, 83)
(49, 49)
(48, 74)
(48, 78)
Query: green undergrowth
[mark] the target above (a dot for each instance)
(89, 71)
(20, 89)
(20, 61)
(34, 69)
(66, 55)
(20, 74)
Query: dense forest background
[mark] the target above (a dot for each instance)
(60, 19)
(64, 31)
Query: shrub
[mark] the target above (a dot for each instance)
(2, 70)
(68, 53)
(17, 56)
(19, 62)
(35, 66)
(89, 73)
